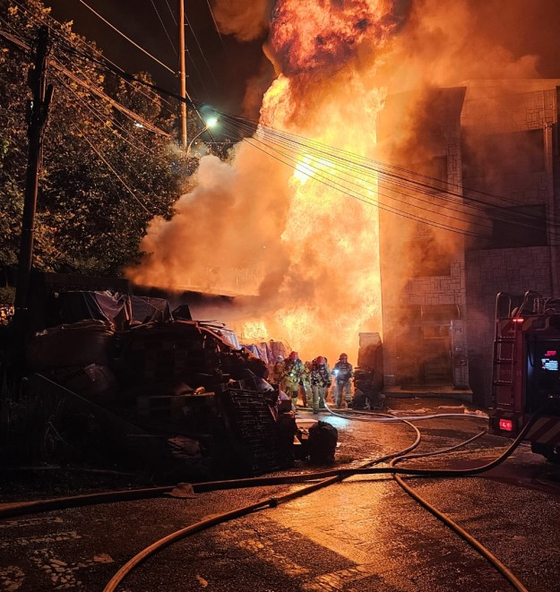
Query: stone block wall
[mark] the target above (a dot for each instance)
(508, 107)
(514, 271)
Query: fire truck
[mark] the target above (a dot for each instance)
(526, 370)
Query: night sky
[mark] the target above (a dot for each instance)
(220, 69)
(217, 71)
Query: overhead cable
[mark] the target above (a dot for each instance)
(394, 186)
(112, 169)
(61, 35)
(351, 174)
(127, 38)
(164, 28)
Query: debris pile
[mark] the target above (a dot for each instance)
(169, 391)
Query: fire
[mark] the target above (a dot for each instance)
(332, 238)
(315, 246)
(309, 35)
(253, 331)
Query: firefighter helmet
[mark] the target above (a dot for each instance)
(343, 356)
(320, 360)
(279, 359)
(293, 355)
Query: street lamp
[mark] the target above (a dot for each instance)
(210, 123)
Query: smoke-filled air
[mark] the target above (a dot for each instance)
(273, 227)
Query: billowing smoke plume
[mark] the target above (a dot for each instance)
(231, 221)
(306, 254)
(246, 19)
(442, 47)
(445, 45)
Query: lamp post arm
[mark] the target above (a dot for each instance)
(192, 141)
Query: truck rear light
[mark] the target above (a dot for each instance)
(506, 425)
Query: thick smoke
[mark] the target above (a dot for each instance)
(447, 46)
(306, 252)
(231, 221)
(246, 19)
(323, 40)
(443, 47)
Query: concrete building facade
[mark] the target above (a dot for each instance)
(493, 146)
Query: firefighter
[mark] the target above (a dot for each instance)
(320, 379)
(305, 385)
(328, 387)
(293, 369)
(287, 429)
(277, 372)
(343, 373)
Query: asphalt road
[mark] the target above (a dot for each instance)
(364, 533)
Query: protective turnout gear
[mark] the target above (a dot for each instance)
(305, 385)
(320, 381)
(293, 370)
(343, 373)
(277, 372)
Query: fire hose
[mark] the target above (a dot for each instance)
(23, 508)
(335, 477)
(327, 478)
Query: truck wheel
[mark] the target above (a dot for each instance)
(553, 455)
(550, 452)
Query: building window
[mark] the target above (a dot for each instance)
(521, 226)
(429, 253)
(491, 156)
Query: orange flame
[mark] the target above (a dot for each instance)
(299, 239)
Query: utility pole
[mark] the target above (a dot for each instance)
(183, 73)
(37, 115)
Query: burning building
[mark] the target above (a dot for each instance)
(510, 153)
(380, 193)
(488, 163)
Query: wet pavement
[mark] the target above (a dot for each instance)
(364, 533)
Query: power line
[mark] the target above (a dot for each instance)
(64, 71)
(214, 21)
(200, 49)
(171, 42)
(354, 192)
(60, 35)
(197, 70)
(398, 184)
(373, 171)
(127, 38)
(26, 45)
(112, 169)
(171, 12)
(107, 64)
(136, 145)
(148, 125)
(164, 27)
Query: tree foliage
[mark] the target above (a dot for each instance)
(103, 176)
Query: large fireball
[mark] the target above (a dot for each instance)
(305, 249)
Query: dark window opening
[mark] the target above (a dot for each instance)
(498, 155)
(521, 226)
(430, 257)
(440, 312)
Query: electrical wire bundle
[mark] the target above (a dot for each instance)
(391, 188)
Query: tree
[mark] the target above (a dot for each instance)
(103, 177)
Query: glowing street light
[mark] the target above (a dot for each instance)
(210, 123)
